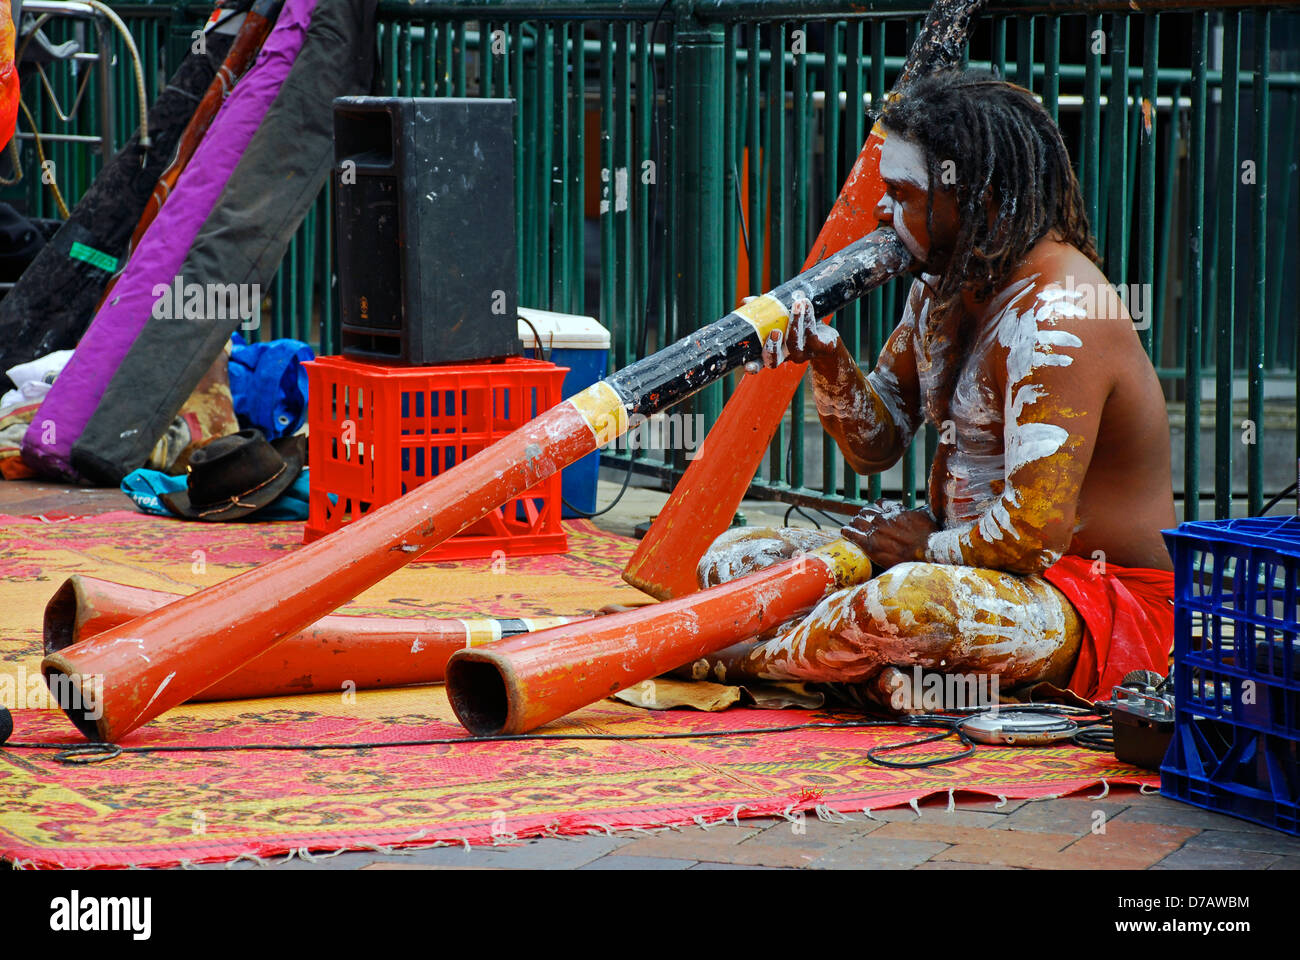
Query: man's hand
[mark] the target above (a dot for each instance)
(888, 534)
(806, 338)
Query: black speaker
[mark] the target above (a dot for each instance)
(424, 214)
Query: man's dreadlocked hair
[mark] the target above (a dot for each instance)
(1009, 155)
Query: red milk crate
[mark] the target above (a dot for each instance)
(378, 432)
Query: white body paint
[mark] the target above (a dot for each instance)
(992, 440)
(902, 161)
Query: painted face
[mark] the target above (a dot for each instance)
(907, 201)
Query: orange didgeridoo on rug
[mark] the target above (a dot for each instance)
(131, 673)
(705, 499)
(365, 652)
(519, 684)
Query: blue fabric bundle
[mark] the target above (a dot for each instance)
(269, 385)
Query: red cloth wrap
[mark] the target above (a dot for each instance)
(1128, 616)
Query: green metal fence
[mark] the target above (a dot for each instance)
(673, 157)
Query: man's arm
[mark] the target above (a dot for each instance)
(871, 418)
(1054, 394)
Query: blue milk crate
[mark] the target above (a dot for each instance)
(1237, 669)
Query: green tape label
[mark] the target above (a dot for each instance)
(96, 258)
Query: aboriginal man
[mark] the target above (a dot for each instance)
(1039, 558)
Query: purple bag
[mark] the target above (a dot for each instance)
(47, 446)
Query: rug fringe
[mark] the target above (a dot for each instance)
(828, 815)
(403, 847)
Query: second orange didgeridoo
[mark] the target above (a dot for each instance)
(370, 653)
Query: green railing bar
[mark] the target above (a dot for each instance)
(1255, 349)
(623, 158)
(577, 209)
(526, 106)
(999, 59)
(831, 180)
(757, 231)
(428, 34)
(1134, 121)
(730, 187)
(1089, 154)
(647, 179)
(1147, 198)
(514, 69)
(1195, 276)
(391, 34)
(799, 236)
(700, 57)
(1117, 151)
(1292, 172)
(1173, 143)
(487, 60)
(559, 179)
(1226, 270)
(776, 181)
(407, 89)
(328, 319)
(545, 169)
(618, 355)
(460, 66)
(667, 236)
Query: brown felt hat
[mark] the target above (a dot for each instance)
(233, 476)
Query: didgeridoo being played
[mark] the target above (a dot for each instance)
(367, 653)
(705, 500)
(131, 673)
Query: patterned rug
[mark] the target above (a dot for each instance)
(161, 809)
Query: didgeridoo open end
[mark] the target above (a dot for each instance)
(79, 695)
(516, 685)
(65, 614)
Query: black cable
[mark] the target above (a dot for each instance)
(97, 752)
(952, 728)
(627, 478)
(795, 507)
(1278, 499)
(542, 352)
(1098, 737)
(837, 521)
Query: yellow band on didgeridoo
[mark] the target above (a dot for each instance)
(604, 412)
(849, 564)
(765, 314)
